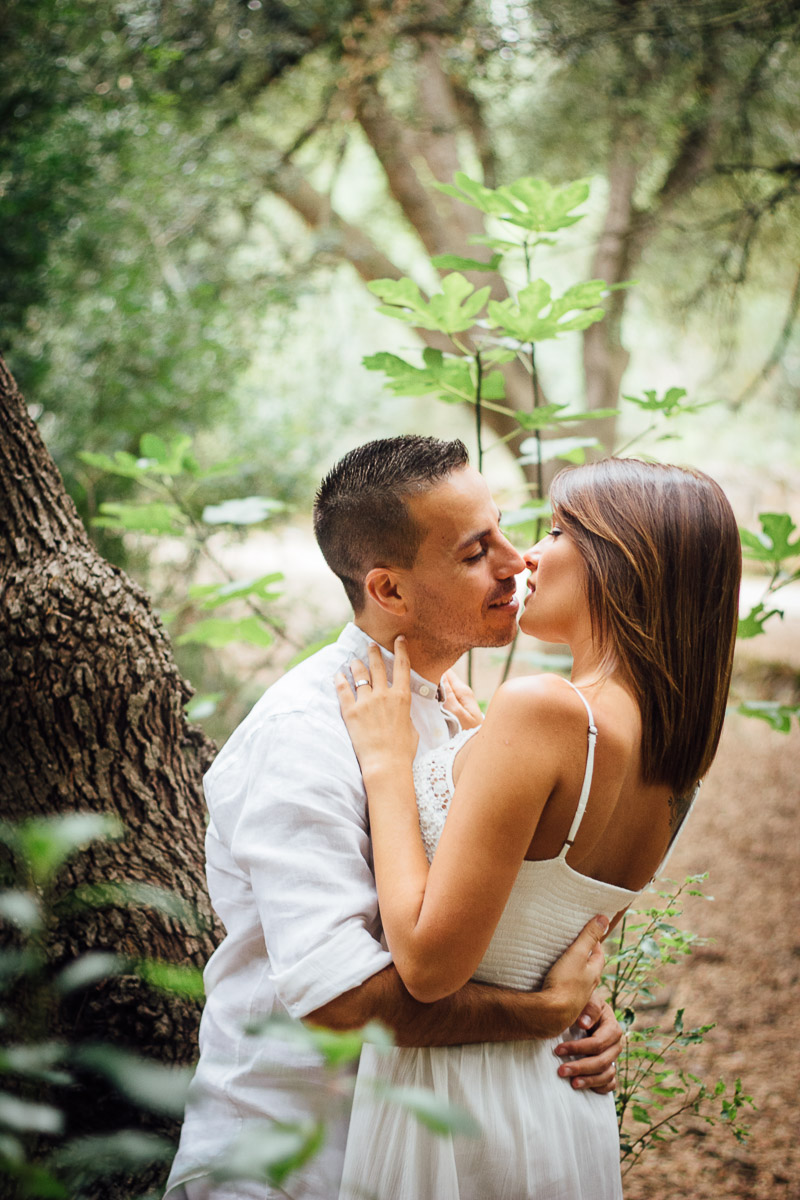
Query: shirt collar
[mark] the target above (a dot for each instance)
(357, 642)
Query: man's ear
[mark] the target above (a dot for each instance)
(384, 587)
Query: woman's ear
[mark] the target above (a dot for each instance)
(384, 587)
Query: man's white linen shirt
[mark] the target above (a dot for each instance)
(289, 868)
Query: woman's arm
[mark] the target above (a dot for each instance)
(438, 921)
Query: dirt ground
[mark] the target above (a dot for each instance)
(744, 832)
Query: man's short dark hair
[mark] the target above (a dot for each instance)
(361, 518)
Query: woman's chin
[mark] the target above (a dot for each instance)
(527, 624)
(543, 633)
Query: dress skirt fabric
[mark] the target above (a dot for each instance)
(541, 1138)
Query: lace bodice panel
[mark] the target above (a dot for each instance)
(433, 785)
(549, 903)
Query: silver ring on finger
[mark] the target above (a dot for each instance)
(363, 683)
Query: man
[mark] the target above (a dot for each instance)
(412, 532)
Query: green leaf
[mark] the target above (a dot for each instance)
(125, 465)
(156, 517)
(670, 404)
(649, 947)
(152, 446)
(24, 1116)
(753, 624)
(87, 970)
(99, 1155)
(773, 544)
(334, 1047)
(453, 310)
(470, 191)
(171, 977)
(536, 316)
(215, 594)
(451, 377)
(549, 415)
(269, 1151)
(498, 355)
(494, 243)
(778, 716)
(430, 1110)
(530, 203)
(453, 262)
(250, 510)
(148, 1084)
(47, 842)
(538, 418)
(340, 1048)
(544, 208)
(217, 632)
(169, 459)
(22, 909)
(128, 893)
(40, 1061)
(156, 457)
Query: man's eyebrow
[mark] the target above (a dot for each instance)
(476, 537)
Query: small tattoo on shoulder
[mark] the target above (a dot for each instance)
(678, 808)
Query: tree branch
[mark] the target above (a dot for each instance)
(471, 117)
(699, 136)
(777, 351)
(396, 150)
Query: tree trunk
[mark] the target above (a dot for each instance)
(92, 720)
(628, 228)
(604, 356)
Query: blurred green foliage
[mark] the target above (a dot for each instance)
(44, 1075)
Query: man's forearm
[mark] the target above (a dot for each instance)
(476, 1013)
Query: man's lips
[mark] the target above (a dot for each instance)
(508, 601)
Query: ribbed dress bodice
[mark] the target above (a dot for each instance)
(549, 903)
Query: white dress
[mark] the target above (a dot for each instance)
(540, 1137)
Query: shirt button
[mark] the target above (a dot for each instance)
(424, 690)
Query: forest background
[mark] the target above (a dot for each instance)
(192, 197)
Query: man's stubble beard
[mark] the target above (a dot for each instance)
(441, 641)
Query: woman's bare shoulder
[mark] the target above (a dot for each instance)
(545, 699)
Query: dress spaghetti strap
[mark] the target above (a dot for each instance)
(587, 777)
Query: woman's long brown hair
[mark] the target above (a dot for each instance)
(663, 562)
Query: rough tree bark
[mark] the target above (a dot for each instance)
(92, 720)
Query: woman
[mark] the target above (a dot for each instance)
(562, 804)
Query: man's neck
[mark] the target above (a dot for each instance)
(428, 665)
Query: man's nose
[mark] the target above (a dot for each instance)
(512, 561)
